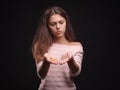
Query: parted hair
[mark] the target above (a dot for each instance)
(43, 39)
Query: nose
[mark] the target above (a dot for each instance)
(57, 25)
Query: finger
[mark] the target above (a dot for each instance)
(53, 60)
(69, 54)
(63, 61)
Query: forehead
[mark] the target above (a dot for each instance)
(56, 18)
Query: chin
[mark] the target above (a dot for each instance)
(59, 36)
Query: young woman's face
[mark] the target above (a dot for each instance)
(57, 25)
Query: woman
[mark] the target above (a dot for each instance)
(58, 58)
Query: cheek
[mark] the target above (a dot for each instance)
(64, 27)
(52, 30)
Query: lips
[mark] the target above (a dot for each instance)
(59, 32)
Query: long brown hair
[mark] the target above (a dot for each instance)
(43, 39)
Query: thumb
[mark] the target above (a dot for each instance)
(69, 54)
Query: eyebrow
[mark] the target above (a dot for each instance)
(57, 21)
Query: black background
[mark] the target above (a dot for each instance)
(95, 24)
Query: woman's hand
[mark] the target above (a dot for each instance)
(50, 58)
(66, 57)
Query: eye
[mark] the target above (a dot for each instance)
(61, 22)
(52, 24)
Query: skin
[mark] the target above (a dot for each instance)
(57, 26)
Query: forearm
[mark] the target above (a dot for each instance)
(44, 69)
(74, 67)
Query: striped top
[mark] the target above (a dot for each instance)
(59, 76)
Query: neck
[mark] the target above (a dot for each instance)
(61, 40)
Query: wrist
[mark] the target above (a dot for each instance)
(71, 60)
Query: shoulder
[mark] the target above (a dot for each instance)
(77, 46)
(75, 43)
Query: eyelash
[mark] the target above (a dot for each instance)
(52, 24)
